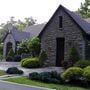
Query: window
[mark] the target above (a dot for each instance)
(60, 21)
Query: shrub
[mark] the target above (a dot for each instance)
(17, 58)
(82, 63)
(48, 77)
(72, 74)
(9, 58)
(34, 76)
(45, 76)
(73, 56)
(42, 57)
(86, 73)
(65, 64)
(11, 53)
(14, 70)
(30, 63)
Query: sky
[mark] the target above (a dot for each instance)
(41, 10)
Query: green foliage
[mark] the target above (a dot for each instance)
(42, 57)
(34, 76)
(30, 63)
(73, 56)
(35, 46)
(86, 73)
(14, 70)
(48, 77)
(31, 46)
(82, 63)
(17, 58)
(9, 58)
(84, 11)
(1, 49)
(11, 53)
(23, 47)
(72, 73)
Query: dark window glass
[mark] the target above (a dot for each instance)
(60, 22)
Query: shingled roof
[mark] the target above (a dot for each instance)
(84, 25)
(18, 35)
(34, 30)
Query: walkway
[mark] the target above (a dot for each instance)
(6, 65)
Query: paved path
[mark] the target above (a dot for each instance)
(5, 65)
(13, 86)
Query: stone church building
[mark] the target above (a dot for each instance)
(64, 30)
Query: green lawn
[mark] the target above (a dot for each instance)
(2, 72)
(24, 80)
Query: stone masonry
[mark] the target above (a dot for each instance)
(70, 32)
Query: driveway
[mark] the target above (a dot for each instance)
(4, 85)
(6, 65)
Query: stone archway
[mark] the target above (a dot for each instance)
(8, 47)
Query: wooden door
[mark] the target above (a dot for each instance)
(59, 51)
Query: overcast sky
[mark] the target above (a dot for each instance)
(41, 10)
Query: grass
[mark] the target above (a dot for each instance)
(2, 72)
(24, 80)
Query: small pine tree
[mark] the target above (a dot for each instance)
(73, 56)
(42, 57)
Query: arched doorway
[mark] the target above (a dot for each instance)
(8, 47)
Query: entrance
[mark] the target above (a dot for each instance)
(59, 51)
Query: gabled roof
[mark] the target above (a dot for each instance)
(85, 26)
(34, 30)
(18, 35)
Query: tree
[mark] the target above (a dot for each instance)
(23, 47)
(73, 56)
(19, 24)
(84, 10)
(31, 46)
(35, 46)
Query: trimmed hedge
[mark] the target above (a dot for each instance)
(86, 73)
(30, 63)
(14, 70)
(72, 73)
(82, 63)
(48, 77)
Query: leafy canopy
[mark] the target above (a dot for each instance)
(84, 10)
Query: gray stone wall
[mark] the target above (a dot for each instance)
(70, 31)
(9, 38)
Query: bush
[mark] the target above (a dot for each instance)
(14, 70)
(65, 64)
(17, 58)
(82, 63)
(45, 76)
(72, 74)
(30, 63)
(9, 58)
(48, 77)
(11, 53)
(34, 76)
(73, 56)
(86, 73)
(42, 57)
